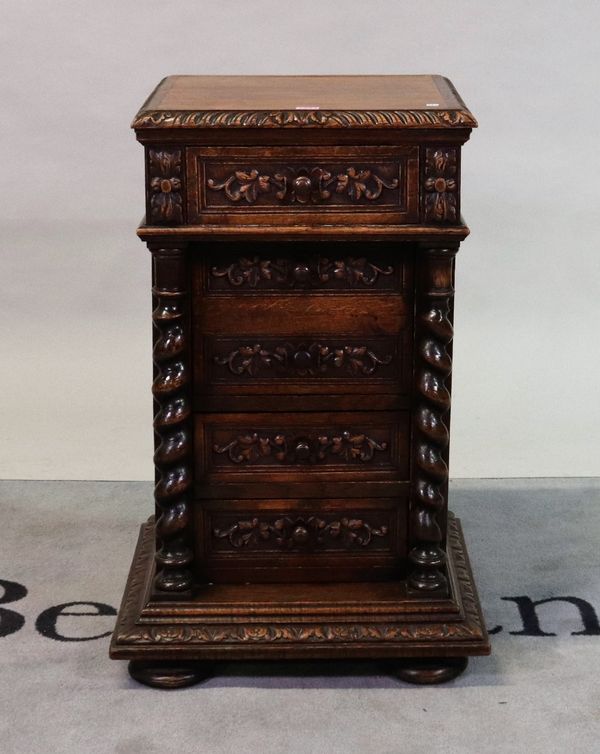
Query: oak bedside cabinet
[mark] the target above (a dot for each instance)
(303, 232)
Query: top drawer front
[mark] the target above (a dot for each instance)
(290, 185)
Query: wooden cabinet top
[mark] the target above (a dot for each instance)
(420, 101)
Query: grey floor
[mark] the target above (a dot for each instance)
(72, 542)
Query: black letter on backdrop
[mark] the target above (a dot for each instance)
(531, 623)
(46, 622)
(11, 622)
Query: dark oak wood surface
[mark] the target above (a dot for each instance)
(408, 92)
(303, 234)
(321, 101)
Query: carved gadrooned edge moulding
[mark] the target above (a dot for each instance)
(129, 632)
(304, 119)
(302, 531)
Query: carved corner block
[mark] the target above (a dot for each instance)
(440, 184)
(164, 187)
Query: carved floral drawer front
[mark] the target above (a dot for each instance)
(287, 322)
(355, 268)
(292, 181)
(299, 366)
(303, 531)
(241, 540)
(302, 446)
(247, 361)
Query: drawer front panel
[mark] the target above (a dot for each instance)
(302, 539)
(351, 268)
(242, 362)
(297, 357)
(260, 328)
(286, 183)
(282, 314)
(302, 447)
(294, 366)
(288, 323)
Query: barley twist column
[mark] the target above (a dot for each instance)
(433, 364)
(172, 421)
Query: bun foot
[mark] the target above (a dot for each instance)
(167, 674)
(430, 670)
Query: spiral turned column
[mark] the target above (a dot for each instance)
(172, 422)
(433, 365)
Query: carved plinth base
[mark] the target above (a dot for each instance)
(169, 674)
(280, 621)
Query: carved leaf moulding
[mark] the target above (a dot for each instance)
(343, 447)
(304, 119)
(342, 632)
(301, 360)
(350, 271)
(302, 531)
(299, 185)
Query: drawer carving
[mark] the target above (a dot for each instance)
(302, 359)
(291, 185)
(306, 446)
(346, 447)
(303, 539)
(305, 185)
(258, 272)
(302, 532)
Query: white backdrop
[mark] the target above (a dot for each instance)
(75, 364)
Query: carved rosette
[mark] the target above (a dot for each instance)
(430, 425)
(165, 204)
(441, 185)
(173, 454)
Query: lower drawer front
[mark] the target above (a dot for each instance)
(301, 447)
(300, 540)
